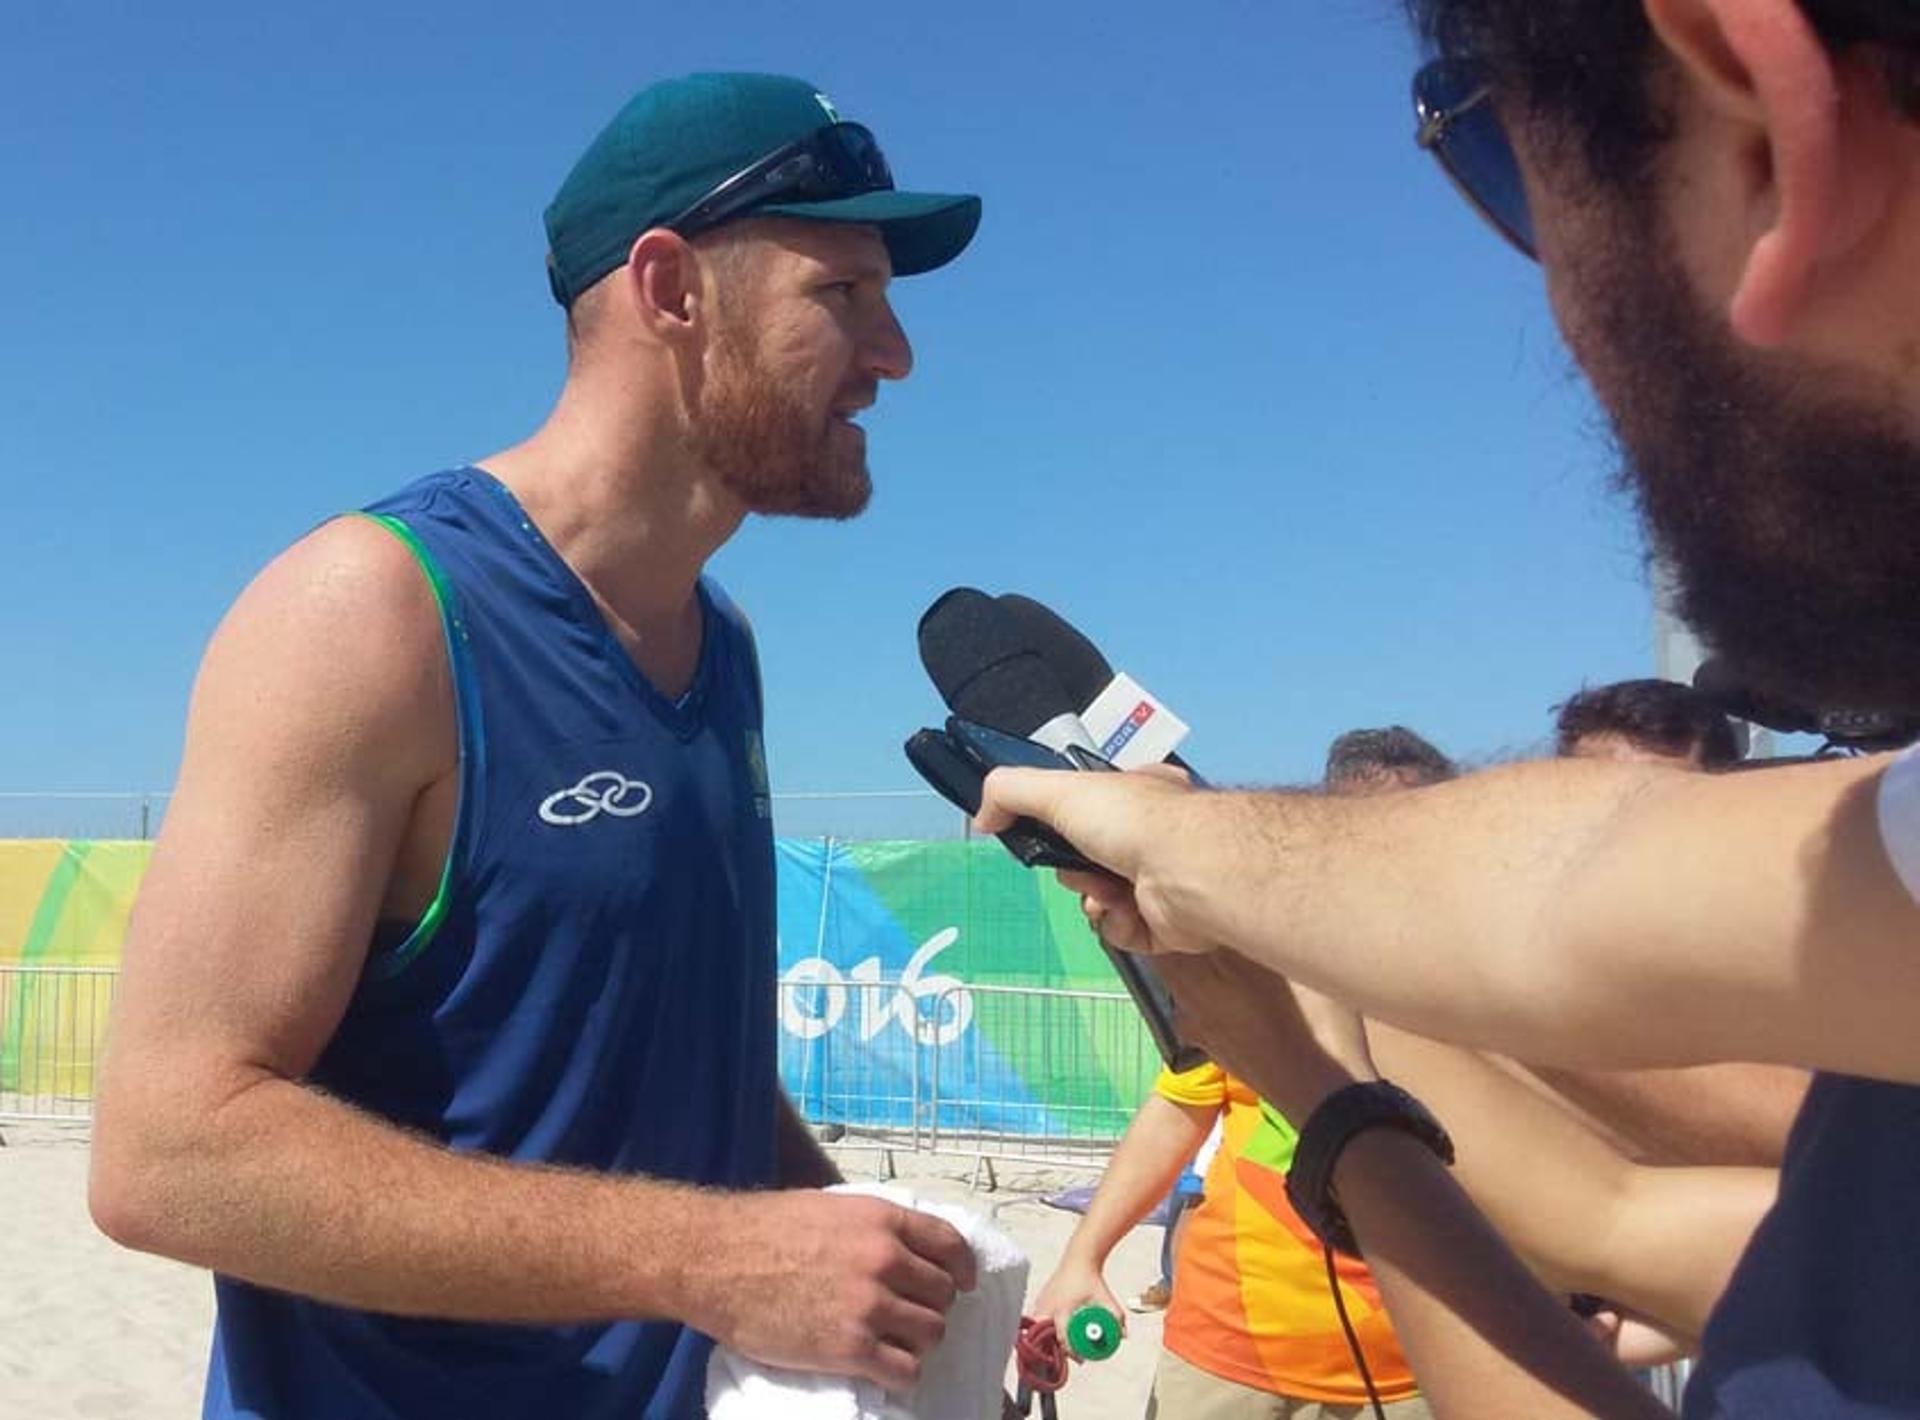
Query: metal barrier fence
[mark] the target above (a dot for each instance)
(857, 1094)
(887, 1065)
(935, 1065)
(53, 1027)
(1085, 1064)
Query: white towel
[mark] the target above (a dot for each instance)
(961, 1379)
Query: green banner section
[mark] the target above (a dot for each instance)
(942, 984)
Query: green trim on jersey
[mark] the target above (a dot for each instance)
(386, 965)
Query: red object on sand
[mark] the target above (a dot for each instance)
(1040, 1355)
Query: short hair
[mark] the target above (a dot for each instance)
(1395, 752)
(1587, 64)
(1662, 716)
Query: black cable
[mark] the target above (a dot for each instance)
(1353, 1341)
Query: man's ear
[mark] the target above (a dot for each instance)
(662, 277)
(1815, 138)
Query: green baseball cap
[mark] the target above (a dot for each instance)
(661, 159)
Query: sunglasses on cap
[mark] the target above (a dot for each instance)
(839, 160)
(1459, 127)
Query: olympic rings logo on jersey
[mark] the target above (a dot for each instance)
(605, 791)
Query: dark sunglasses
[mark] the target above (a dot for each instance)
(839, 160)
(1459, 127)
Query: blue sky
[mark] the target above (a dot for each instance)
(1230, 376)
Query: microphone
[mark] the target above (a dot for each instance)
(1130, 725)
(987, 673)
(1727, 690)
(1722, 687)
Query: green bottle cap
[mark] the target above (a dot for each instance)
(1093, 1333)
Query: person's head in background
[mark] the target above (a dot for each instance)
(1650, 721)
(1374, 761)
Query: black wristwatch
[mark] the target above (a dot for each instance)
(1375, 1104)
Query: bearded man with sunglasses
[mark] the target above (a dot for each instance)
(446, 1034)
(1725, 198)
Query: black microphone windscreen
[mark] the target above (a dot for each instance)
(1727, 690)
(983, 667)
(1073, 659)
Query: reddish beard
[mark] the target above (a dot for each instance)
(768, 442)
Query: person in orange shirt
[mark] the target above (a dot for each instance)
(1252, 1332)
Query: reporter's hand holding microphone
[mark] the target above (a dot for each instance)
(1013, 663)
(1294, 1045)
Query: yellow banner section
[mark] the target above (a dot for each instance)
(63, 915)
(26, 867)
(65, 903)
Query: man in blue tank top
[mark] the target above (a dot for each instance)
(446, 1035)
(1725, 195)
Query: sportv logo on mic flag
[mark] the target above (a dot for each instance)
(1129, 727)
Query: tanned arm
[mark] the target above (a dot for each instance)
(1736, 1114)
(1660, 1241)
(1570, 912)
(1484, 1337)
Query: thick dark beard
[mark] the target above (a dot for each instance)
(770, 449)
(1787, 505)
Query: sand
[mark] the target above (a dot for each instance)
(90, 1331)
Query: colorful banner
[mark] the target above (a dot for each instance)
(894, 958)
(62, 904)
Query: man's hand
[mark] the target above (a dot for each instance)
(1113, 912)
(1122, 822)
(832, 1283)
(1293, 1045)
(1074, 1283)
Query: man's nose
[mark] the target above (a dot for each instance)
(889, 355)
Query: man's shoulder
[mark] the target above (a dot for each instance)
(349, 567)
(344, 617)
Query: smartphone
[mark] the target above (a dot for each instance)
(956, 761)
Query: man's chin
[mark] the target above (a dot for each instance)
(850, 504)
(843, 499)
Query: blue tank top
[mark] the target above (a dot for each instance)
(1822, 1317)
(593, 986)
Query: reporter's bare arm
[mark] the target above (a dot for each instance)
(322, 723)
(1571, 912)
(1661, 1241)
(1482, 1335)
(1738, 1113)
